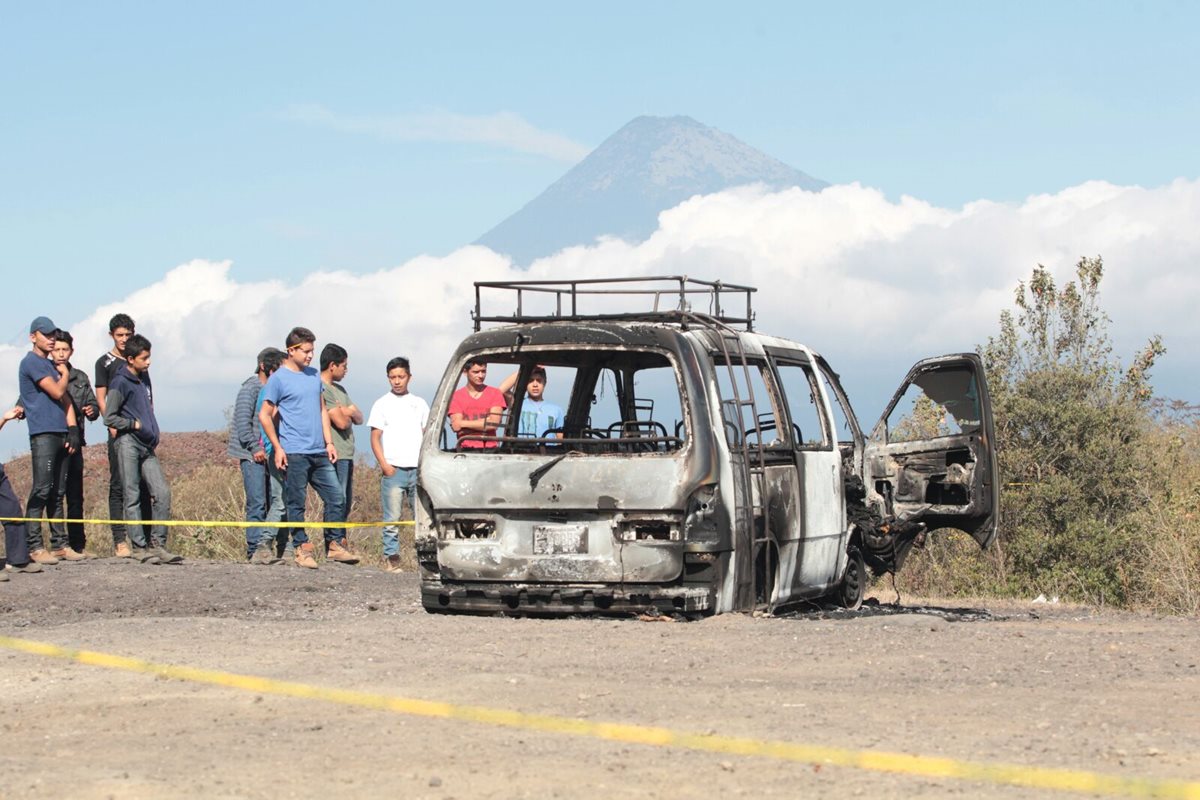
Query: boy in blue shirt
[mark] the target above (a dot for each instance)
(538, 414)
(303, 446)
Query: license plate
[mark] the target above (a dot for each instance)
(559, 539)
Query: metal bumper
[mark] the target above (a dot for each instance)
(521, 599)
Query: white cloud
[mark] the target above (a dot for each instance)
(874, 284)
(502, 129)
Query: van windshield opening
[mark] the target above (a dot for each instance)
(553, 402)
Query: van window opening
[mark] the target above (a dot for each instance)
(804, 406)
(936, 405)
(593, 402)
(758, 417)
(843, 433)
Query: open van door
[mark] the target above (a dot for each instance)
(932, 456)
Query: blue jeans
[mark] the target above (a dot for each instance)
(49, 462)
(254, 481)
(314, 468)
(139, 465)
(402, 483)
(276, 512)
(345, 475)
(116, 502)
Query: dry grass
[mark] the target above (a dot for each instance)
(1168, 551)
(214, 492)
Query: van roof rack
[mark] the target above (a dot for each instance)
(670, 298)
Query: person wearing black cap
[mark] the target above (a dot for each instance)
(53, 435)
(246, 445)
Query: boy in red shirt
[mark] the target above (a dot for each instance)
(476, 408)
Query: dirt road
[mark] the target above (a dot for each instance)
(1039, 685)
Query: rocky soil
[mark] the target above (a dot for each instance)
(1037, 685)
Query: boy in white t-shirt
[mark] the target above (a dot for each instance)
(397, 422)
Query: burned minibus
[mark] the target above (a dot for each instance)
(691, 465)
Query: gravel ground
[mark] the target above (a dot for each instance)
(1037, 685)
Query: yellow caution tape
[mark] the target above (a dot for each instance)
(192, 523)
(1043, 778)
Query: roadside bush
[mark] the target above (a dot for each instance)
(1077, 443)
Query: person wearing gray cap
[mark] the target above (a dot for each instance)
(53, 435)
(246, 445)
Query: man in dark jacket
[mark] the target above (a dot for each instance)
(120, 328)
(129, 411)
(246, 445)
(83, 400)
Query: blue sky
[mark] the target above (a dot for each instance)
(292, 138)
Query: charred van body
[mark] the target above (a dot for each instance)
(691, 465)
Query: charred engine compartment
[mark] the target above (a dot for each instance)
(885, 542)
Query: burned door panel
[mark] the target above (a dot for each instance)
(819, 553)
(931, 458)
(766, 481)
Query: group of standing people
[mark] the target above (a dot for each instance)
(293, 427)
(55, 400)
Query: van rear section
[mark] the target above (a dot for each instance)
(564, 545)
(601, 504)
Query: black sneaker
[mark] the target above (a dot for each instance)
(145, 555)
(165, 556)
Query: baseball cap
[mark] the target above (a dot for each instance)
(42, 325)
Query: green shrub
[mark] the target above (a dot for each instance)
(1094, 504)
